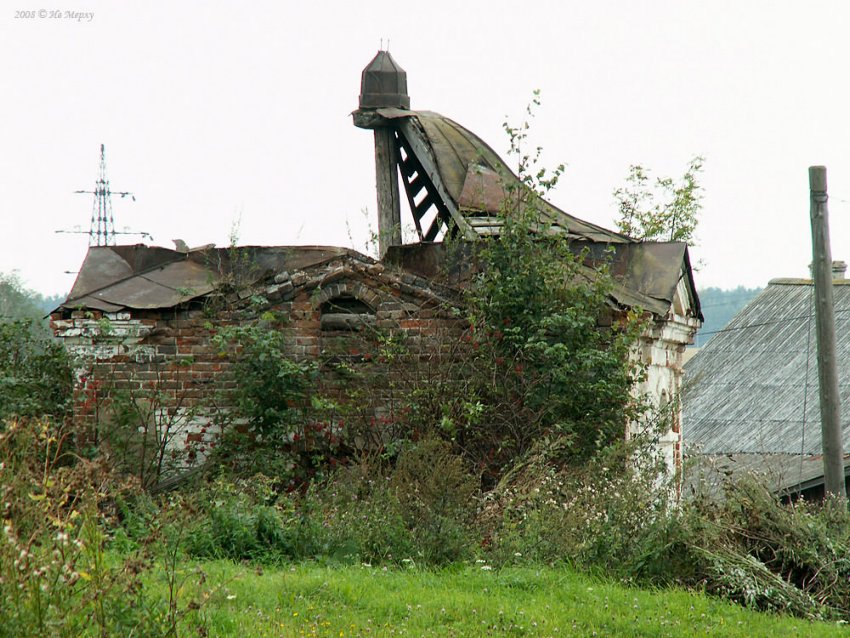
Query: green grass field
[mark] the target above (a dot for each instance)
(309, 600)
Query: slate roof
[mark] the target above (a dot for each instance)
(751, 393)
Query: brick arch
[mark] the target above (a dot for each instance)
(357, 290)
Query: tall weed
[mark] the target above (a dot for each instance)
(58, 576)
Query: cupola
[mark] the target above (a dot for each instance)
(383, 84)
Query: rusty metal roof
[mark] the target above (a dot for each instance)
(646, 274)
(113, 278)
(140, 277)
(753, 389)
(478, 180)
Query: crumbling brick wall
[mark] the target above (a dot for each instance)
(170, 353)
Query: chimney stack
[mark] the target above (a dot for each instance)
(838, 270)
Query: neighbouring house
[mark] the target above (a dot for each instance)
(751, 401)
(139, 309)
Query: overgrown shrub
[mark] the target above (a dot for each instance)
(436, 497)
(35, 373)
(420, 509)
(753, 548)
(356, 515)
(546, 361)
(57, 576)
(276, 419)
(273, 390)
(600, 516)
(245, 520)
(139, 423)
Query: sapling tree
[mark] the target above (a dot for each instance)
(663, 209)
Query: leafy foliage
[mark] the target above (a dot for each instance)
(57, 575)
(244, 520)
(273, 389)
(663, 210)
(35, 373)
(435, 491)
(140, 421)
(756, 550)
(550, 360)
(279, 421)
(17, 303)
(418, 510)
(546, 356)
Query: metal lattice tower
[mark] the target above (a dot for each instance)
(102, 229)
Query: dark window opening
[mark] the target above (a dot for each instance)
(346, 313)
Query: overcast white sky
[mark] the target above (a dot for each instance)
(212, 111)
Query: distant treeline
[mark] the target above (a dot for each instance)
(16, 302)
(718, 308)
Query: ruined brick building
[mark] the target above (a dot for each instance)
(143, 309)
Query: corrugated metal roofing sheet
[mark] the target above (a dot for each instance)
(781, 472)
(753, 388)
(147, 277)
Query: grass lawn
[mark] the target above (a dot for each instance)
(309, 600)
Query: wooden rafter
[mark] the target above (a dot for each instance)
(420, 161)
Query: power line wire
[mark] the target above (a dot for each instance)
(766, 323)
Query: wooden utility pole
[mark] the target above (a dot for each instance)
(830, 405)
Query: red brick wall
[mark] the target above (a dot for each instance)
(172, 352)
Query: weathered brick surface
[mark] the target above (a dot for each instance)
(171, 350)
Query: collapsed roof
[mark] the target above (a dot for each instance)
(455, 183)
(114, 278)
(139, 277)
(449, 171)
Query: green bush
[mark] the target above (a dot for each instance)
(275, 418)
(749, 546)
(244, 520)
(599, 516)
(752, 548)
(358, 517)
(35, 373)
(272, 390)
(419, 509)
(436, 497)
